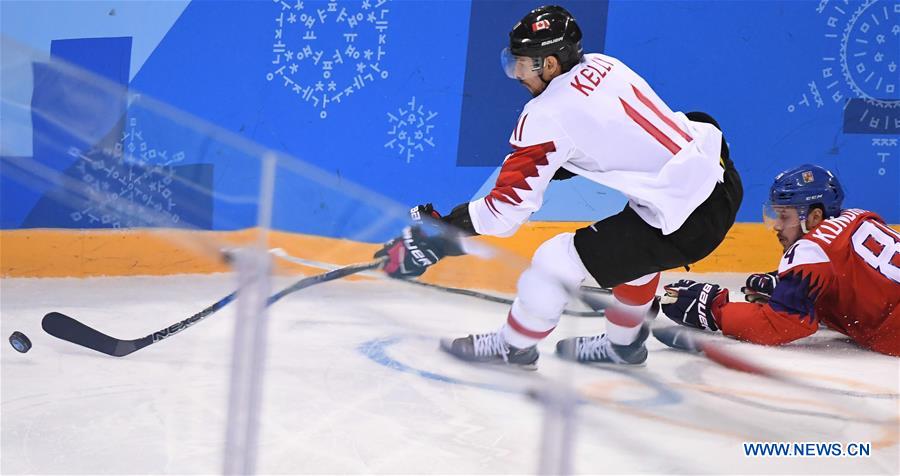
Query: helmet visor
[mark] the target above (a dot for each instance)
(782, 217)
(520, 67)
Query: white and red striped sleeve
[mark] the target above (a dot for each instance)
(540, 147)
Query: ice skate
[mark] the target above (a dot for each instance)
(598, 349)
(490, 349)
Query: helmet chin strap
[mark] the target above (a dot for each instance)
(541, 74)
(541, 77)
(803, 214)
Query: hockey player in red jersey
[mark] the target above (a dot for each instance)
(840, 268)
(591, 116)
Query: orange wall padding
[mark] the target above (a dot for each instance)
(749, 247)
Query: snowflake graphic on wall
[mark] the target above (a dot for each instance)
(326, 55)
(125, 180)
(410, 129)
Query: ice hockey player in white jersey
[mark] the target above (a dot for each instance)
(591, 116)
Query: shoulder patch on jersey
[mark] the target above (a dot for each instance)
(802, 252)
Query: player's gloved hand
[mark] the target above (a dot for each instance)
(410, 254)
(759, 287)
(694, 304)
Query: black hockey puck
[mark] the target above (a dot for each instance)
(20, 342)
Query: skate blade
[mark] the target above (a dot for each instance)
(446, 345)
(610, 365)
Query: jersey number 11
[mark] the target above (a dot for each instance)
(661, 137)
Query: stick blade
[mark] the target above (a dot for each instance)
(677, 337)
(66, 328)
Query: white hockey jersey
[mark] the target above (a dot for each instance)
(603, 122)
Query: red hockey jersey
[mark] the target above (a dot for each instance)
(845, 273)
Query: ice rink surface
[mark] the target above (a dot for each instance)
(355, 383)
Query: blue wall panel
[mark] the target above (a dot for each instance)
(357, 135)
(69, 113)
(82, 129)
(407, 98)
(491, 101)
(758, 67)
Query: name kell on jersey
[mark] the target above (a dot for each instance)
(830, 229)
(593, 74)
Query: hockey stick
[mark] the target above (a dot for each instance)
(689, 340)
(280, 253)
(69, 329)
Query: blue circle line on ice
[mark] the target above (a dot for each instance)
(376, 350)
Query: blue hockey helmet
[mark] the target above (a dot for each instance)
(802, 187)
(808, 185)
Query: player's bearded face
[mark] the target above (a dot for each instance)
(524, 69)
(785, 221)
(534, 85)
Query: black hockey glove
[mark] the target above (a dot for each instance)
(760, 286)
(410, 254)
(447, 236)
(458, 218)
(419, 212)
(694, 304)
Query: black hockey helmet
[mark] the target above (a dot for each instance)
(545, 31)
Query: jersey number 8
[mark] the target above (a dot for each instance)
(879, 246)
